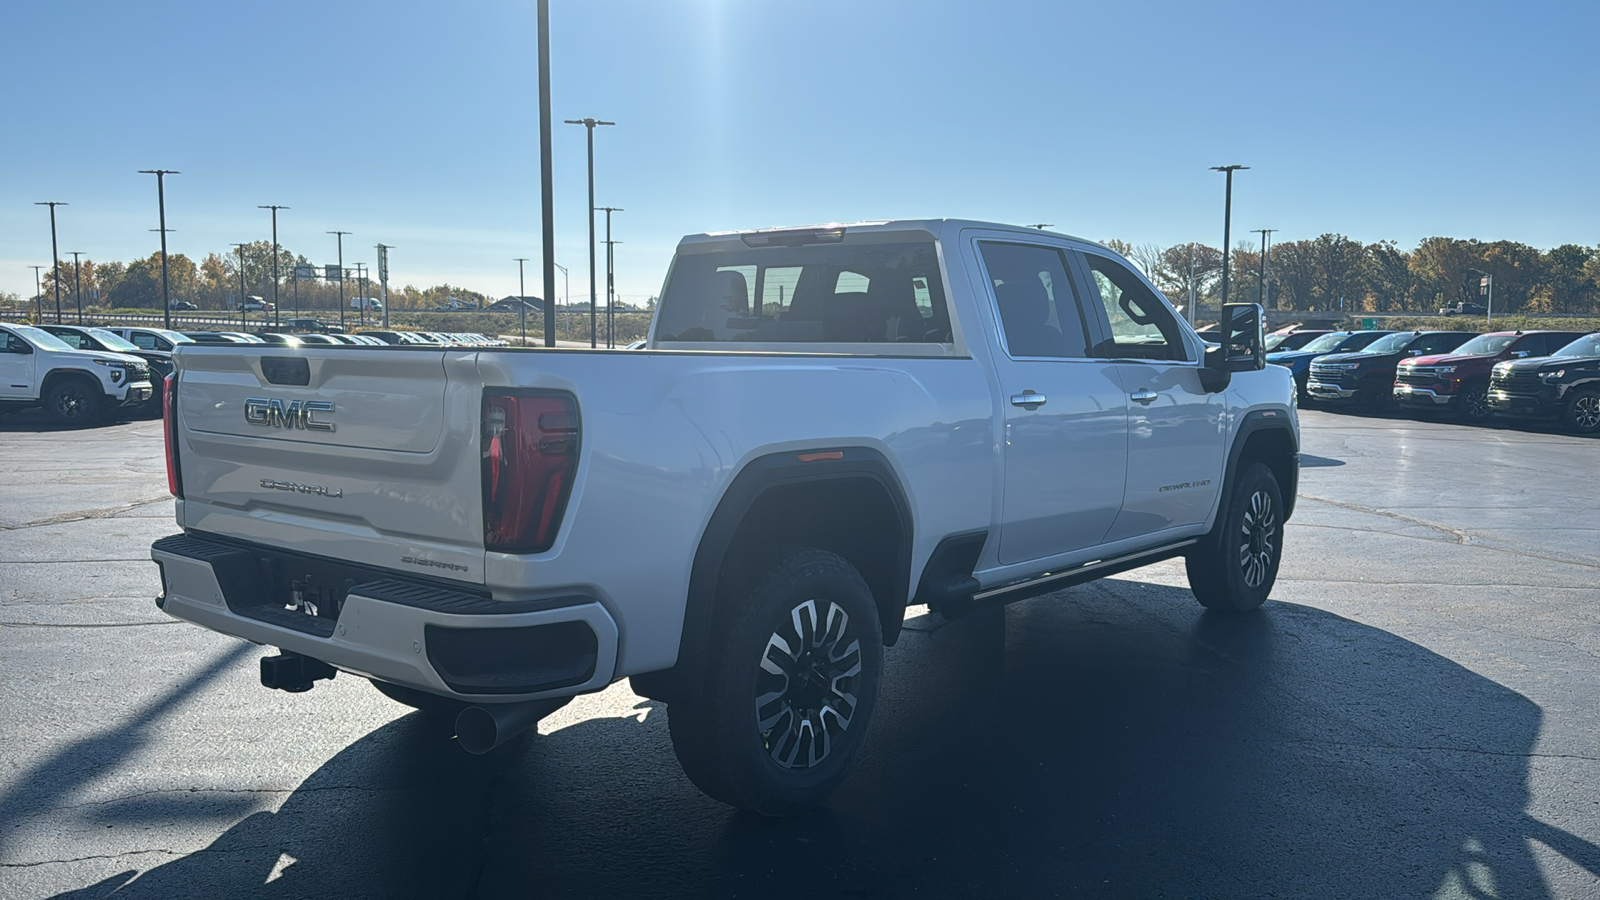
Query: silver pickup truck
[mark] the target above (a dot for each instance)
(826, 426)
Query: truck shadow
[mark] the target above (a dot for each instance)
(1112, 740)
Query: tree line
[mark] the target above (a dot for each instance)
(1333, 272)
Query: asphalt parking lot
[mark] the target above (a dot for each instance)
(1413, 715)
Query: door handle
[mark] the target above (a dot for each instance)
(1144, 396)
(1029, 400)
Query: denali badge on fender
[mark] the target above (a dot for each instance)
(293, 414)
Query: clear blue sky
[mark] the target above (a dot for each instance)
(415, 124)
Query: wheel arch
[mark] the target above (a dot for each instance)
(1266, 436)
(56, 376)
(846, 500)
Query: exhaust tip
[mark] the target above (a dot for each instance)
(480, 729)
(476, 731)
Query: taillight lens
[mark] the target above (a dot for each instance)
(530, 455)
(169, 431)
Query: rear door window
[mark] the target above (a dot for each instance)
(1040, 316)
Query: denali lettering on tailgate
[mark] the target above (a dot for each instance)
(293, 414)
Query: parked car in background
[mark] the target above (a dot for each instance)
(181, 304)
(1367, 376)
(1564, 385)
(1298, 362)
(1459, 381)
(255, 304)
(75, 387)
(1292, 340)
(222, 337)
(318, 339)
(274, 337)
(80, 337)
(1464, 308)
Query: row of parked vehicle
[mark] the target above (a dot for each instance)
(1516, 374)
(81, 374)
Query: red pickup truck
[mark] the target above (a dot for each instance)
(1459, 381)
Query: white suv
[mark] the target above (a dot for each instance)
(76, 387)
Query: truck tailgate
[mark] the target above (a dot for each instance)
(368, 456)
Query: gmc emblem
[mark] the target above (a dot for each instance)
(293, 414)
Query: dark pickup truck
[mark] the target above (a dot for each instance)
(1564, 385)
(1367, 377)
(1459, 381)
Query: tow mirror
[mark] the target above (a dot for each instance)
(1242, 343)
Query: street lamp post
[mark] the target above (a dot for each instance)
(1227, 223)
(38, 296)
(274, 209)
(161, 202)
(1266, 268)
(522, 300)
(589, 124)
(240, 248)
(55, 255)
(547, 213)
(610, 279)
(77, 283)
(1488, 303)
(342, 304)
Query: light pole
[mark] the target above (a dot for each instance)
(240, 248)
(274, 209)
(55, 255)
(1227, 223)
(1266, 268)
(1488, 305)
(589, 124)
(522, 300)
(547, 212)
(38, 296)
(383, 279)
(161, 202)
(340, 239)
(361, 275)
(77, 283)
(610, 277)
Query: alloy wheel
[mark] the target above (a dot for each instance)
(808, 684)
(1475, 404)
(1586, 412)
(1258, 542)
(72, 403)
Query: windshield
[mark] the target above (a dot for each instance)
(111, 341)
(879, 288)
(1390, 343)
(1588, 345)
(1485, 344)
(1326, 342)
(40, 338)
(177, 338)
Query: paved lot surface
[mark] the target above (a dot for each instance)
(1414, 715)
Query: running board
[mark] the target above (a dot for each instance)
(1055, 581)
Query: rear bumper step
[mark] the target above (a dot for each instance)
(449, 641)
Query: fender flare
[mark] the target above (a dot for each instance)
(1261, 421)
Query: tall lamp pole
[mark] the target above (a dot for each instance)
(1227, 223)
(383, 279)
(161, 203)
(610, 279)
(274, 209)
(55, 255)
(522, 299)
(240, 248)
(547, 213)
(589, 124)
(1266, 268)
(77, 283)
(38, 292)
(340, 239)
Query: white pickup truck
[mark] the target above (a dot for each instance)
(826, 426)
(76, 387)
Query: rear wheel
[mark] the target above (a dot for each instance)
(74, 401)
(1581, 415)
(792, 682)
(1235, 565)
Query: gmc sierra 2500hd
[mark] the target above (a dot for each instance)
(827, 425)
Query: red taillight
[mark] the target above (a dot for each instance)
(169, 432)
(530, 454)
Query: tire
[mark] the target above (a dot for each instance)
(1234, 567)
(774, 731)
(431, 705)
(1581, 414)
(1472, 405)
(74, 401)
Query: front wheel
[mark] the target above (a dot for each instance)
(1473, 403)
(74, 401)
(1234, 567)
(792, 682)
(1582, 412)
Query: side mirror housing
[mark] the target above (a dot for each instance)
(1242, 347)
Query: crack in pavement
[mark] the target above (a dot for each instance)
(52, 862)
(85, 514)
